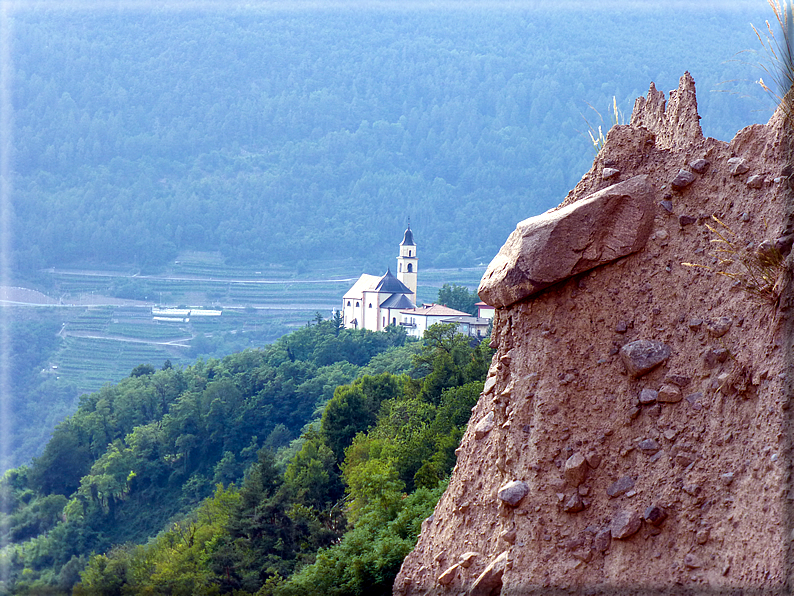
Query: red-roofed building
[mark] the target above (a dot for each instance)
(484, 311)
(417, 320)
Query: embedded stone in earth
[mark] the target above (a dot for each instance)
(608, 173)
(683, 179)
(593, 459)
(783, 244)
(699, 165)
(575, 469)
(677, 379)
(736, 166)
(484, 426)
(490, 383)
(574, 504)
(756, 181)
(491, 578)
(648, 396)
(602, 539)
(714, 356)
(655, 515)
(649, 446)
(509, 536)
(625, 524)
(512, 492)
(543, 250)
(643, 355)
(719, 327)
(669, 394)
(448, 576)
(620, 486)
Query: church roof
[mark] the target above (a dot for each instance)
(408, 239)
(388, 284)
(365, 282)
(397, 301)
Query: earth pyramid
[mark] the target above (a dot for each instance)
(634, 433)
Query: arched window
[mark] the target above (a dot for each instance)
(409, 253)
(370, 304)
(394, 320)
(400, 268)
(348, 302)
(356, 304)
(410, 267)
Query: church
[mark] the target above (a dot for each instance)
(375, 302)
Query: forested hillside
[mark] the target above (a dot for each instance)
(379, 421)
(287, 136)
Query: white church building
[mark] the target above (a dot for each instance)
(375, 302)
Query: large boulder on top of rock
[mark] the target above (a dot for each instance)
(555, 245)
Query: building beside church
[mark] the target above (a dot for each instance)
(418, 320)
(375, 302)
(485, 311)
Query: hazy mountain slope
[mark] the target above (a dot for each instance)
(272, 136)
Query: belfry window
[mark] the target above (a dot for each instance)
(410, 267)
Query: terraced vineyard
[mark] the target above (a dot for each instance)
(92, 319)
(106, 333)
(90, 363)
(164, 333)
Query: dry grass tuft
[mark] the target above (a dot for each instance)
(781, 56)
(596, 132)
(756, 269)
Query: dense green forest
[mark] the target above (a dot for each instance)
(302, 468)
(289, 136)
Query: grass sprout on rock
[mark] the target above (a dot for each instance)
(596, 132)
(781, 56)
(756, 269)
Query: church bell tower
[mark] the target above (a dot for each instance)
(407, 261)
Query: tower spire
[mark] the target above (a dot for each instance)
(407, 262)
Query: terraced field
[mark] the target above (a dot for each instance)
(105, 335)
(90, 363)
